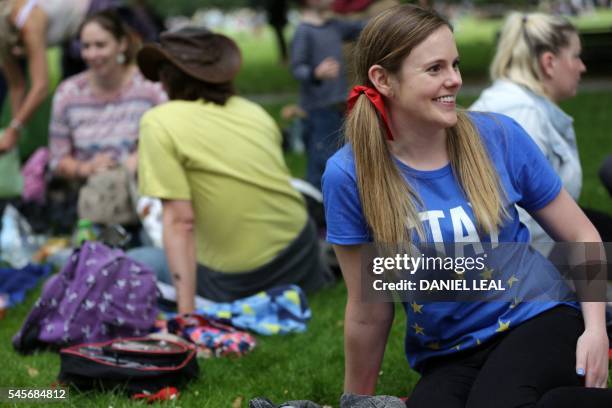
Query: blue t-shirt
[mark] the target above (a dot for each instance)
(439, 328)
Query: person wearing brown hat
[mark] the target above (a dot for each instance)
(233, 224)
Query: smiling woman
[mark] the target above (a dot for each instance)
(426, 86)
(95, 118)
(107, 48)
(412, 159)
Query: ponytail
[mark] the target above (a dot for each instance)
(388, 202)
(523, 39)
(476, 174)
(390, 205)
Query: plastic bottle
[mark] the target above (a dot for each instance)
(84, 232)
(11, 243)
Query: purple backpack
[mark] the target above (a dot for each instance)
(100, 294)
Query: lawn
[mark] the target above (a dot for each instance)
(592, 121)
(310, 365)
(262, 73)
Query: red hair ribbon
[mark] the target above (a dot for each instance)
(377, 100)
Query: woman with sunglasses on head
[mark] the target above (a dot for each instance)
(416, 170)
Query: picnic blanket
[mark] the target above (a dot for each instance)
(280, 310)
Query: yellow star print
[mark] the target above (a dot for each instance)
(418, 329)
(457, 347)
(416, 308)
(247, 310)
(224, 314)
(503, 326)
(487, 274)
(478, 341)
(434, 346)
(293, 297)
(515, 302)
(512, 280)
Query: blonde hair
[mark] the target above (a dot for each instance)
(389, 203)
(523, 39)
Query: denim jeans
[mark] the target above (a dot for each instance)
(155, 259)
(323, 136)
(300, 263)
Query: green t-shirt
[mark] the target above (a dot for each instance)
(228, 161)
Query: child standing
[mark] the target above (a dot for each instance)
(316, 61)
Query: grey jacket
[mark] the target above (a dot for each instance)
(551, 129)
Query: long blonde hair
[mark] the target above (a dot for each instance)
(389, 203)
(523, 39)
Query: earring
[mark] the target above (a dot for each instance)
(121, 59)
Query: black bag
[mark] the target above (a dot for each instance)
(131, 364)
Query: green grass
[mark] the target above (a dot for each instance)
(262, 73)
(299, 366)
(592, 122)
(602, 19)
(310, 365)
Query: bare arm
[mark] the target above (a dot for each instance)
(23, 105)
(17, 88)
(71, 168)
(15, 81)
(564, 221)
(35, 40)
(179, 245)
(366, 327)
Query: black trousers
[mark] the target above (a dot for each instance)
(533, 365)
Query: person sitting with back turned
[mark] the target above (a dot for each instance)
(232, 223)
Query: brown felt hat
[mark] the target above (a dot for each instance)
(198, 52)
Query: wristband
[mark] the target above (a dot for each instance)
(16, 124)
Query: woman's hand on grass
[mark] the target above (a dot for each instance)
(592, 357)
